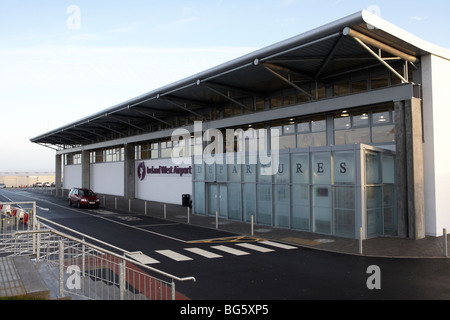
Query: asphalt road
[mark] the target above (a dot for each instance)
(229, 270)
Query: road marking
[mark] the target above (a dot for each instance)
(233, 251)
(142, 258)
(129, 218)
(173, 255)
(204, 253)
(254, 247)
(278, 245)
(228, 239)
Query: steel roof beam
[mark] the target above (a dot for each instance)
(151, 116)
(245, 92)
(182, 107)
(91, 132)
(378, 44)
(110, 129)
(128, 123)
(227, 97)
(381, 60)
(289, 82)
(329, 57)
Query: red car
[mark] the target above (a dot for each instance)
(83, 198)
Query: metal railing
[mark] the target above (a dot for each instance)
(85, 270)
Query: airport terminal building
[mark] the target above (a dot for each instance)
(339, 128)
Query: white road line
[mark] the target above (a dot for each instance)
(142, 258)
(278, 245)
(204, 253)
(236, 252)
(173, 255)
(102, 217)
(254, 247)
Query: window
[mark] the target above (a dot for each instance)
(383, 129)
(340, 89)
(379, 81)
(364, 127)
(318, 93)
(351, 128)
(312, 133)
(114, 154)
(359, 86)
(72, 159)
(166, 149)
(147, 150)
(276, 102)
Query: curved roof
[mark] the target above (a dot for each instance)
(316, 55)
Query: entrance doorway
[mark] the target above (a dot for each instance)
(217, 195)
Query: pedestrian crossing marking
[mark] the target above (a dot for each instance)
(173, 255)
(139, 256)
(204, 253)
(254, 247)
(278, 245)
(142, 258)
(233, 251)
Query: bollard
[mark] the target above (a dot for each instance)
(115, 203)
(165, 211)
(188, 215)
(445, 243)
(145, 208)
(360, 241)
(129, 205)
(253, 227)
(217, 219)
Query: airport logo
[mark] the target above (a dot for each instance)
(141, 171)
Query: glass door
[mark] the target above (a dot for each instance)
(217, 199)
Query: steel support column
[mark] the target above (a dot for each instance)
(130, 171)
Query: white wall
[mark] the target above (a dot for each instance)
(72, 176)
(163, 187)
(108, 178)
(436, 115)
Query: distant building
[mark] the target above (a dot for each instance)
(23, 179)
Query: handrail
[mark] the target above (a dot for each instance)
(84, 235)
(19, 233)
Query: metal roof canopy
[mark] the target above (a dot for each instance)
(344, 46)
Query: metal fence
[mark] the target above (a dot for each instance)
(82, 269)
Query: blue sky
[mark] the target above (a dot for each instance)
(52, 74)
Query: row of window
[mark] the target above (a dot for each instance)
(348, 127)
(370, 127)
(98, 156)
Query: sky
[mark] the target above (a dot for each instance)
(61, 61)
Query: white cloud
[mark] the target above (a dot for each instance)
(418, 18)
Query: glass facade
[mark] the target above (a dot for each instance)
(326, 190)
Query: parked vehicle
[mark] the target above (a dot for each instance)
(46, 184)
(2, 186)
(38, 184)
(83, 198)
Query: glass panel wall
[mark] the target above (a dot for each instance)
(319, 190)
